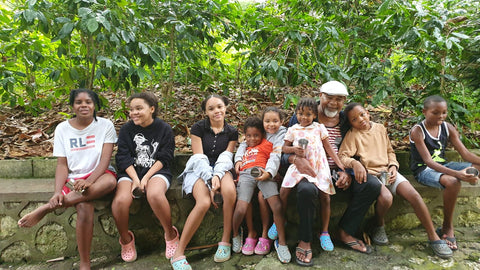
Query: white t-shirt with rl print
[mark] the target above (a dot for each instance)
(83, 148)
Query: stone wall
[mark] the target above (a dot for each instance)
(54, 236)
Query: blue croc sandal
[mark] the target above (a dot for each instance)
(180, 263)
(223, 252)
(272, 232)
(326, 242)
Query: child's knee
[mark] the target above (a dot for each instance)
(324, 198)
(241, 207)
(84, 213)
(385, 195)
(203, 203)
(122, 200)
(450, 182)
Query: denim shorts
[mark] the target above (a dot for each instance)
(430, 177)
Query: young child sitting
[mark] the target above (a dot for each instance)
(256, 155)
(315, 143)
(368, 142)
(272, 118)
(428, 141)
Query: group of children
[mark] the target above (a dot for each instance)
(145, 152)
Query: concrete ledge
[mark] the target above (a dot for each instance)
(54, 236)
(45, 167)
(16, 169)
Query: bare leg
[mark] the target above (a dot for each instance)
(384, 202)
(249, 220)
(121, 209)
(229, 194)
(32, 218)
(284, 192)
(325, 203)
(238, 215)
(278, 218)
(407, 191)
(104, 185)
(452, 188)
(264, 214)
(84, 232)
(156, 189)
(195, 218)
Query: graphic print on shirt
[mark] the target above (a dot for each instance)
(145, 151)
(436, 156)
(249, 156)
(77, 144)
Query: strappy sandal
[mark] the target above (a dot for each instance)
(357, 242)
(451, 241)
(171, 246)
(128, 253)
(305, 255)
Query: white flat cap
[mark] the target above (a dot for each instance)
(334, 88)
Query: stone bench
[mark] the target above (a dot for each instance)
(54, 236)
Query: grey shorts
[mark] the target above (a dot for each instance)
(246, 186)
(393, 186)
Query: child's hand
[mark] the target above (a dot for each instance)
(56, 200)
(264, 176)
(215, 183)
(303, 166)
(344, 180)
(299, 151)
(135, 184)
(467, 177)
(360, 172)
(81, 185)
(392, 174)
(143, 183)
(212, 195)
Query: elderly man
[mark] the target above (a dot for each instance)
(363, 194)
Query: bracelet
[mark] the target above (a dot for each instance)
(294, 158)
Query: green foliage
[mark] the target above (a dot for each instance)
(392, 52)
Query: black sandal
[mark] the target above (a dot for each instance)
(359, 243)
(305, 253)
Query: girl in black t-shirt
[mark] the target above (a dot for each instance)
(145, 152)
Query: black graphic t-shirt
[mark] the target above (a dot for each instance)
(142, 147)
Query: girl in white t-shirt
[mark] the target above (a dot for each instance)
(83, 146)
